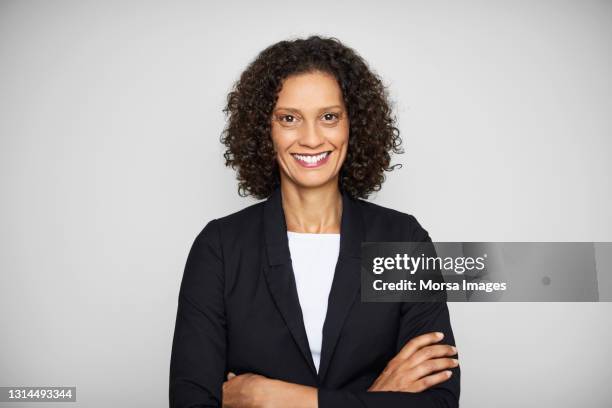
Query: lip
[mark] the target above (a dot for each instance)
(312, 165)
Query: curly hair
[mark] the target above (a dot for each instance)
(247, 135)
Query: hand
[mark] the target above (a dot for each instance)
(256, 391)
(244, 391)
(418, 366)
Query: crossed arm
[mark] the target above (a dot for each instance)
(421, 364)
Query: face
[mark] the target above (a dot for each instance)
(310, 130)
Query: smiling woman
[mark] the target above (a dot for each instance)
(310, 131)
(269, 312)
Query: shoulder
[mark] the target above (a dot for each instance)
(391, 224)
(238, 223)
(242, 218)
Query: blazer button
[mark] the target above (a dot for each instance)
(546, 280)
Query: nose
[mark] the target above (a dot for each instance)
(311, 136)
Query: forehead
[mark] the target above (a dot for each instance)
(310, 90)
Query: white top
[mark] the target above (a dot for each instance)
(313, 258)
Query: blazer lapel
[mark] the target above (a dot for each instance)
(279, 274)
(346, 283)
(281, 279)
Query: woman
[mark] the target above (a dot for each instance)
(269, 312)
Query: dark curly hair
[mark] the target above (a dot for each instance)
(247, 135)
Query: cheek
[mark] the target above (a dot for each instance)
(277, 142)
(344, 144)
(338, 136)
(282, 140)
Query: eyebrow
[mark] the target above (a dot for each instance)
(298, 111)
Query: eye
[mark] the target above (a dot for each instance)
(331, 116)
(286, 118)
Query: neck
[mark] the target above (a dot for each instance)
(312, 210)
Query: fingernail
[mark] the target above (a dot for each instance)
(440, 335)
(448, 373)
(454, 349)
(455, 361)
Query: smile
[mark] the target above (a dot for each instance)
(311, 160)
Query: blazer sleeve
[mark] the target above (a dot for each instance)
(198, 357)
(416, 319)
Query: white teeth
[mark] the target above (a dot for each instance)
(311, 159)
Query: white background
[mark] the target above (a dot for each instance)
(110, 164)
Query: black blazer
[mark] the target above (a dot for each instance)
(238, 310)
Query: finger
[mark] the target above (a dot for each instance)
(434, 365)
(420, 341)
(431, 380)
(430, 352)
(230, 375)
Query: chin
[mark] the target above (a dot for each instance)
(310, 178)
(308, 182)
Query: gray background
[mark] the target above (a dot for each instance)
(110, 164)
